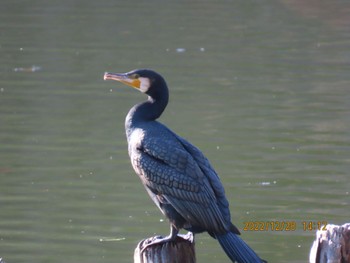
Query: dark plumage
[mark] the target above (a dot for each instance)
(176, 174)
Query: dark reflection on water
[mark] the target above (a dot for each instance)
(261, 88)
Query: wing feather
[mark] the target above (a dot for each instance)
(185, 180)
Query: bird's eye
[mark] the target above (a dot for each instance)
(135, 76)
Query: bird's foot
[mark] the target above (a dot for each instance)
(161, 240)
(189, 236)
(156, 240)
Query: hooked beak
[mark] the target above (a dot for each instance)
(123, 78)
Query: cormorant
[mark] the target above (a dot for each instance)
(177, 176)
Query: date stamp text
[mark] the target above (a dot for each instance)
(284, 225)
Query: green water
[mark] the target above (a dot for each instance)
(262, 87)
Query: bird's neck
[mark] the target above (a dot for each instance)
(146, 111)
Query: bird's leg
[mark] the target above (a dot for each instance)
(171, 237)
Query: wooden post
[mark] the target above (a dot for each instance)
(331, 245)
(179, 251)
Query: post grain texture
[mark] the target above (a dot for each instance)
(179, 251)
(331, 245)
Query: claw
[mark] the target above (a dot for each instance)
(189, 236)
(159, 240)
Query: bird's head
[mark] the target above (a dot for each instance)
(145, 80)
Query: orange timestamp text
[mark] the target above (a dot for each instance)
(270, 226)
(283, 225)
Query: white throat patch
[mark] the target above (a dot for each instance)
(145, 84)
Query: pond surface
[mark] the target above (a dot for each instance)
(261, 87)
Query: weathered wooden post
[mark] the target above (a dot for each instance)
(179, 251)
(331, 245)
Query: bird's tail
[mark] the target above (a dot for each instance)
(236, 249)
